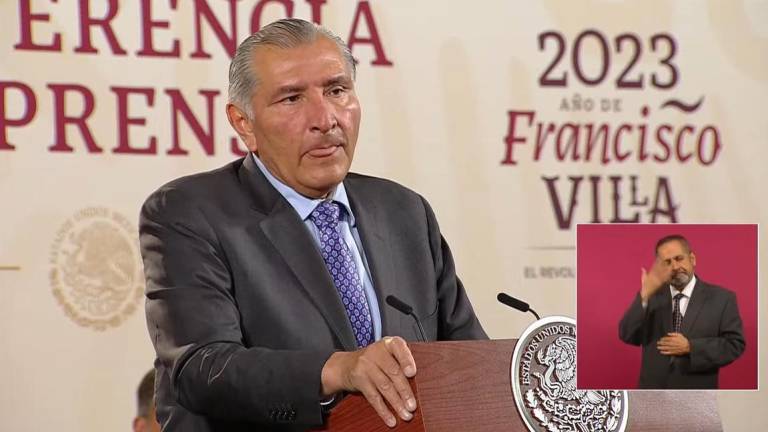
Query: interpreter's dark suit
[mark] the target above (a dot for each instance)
(711, 324)
(243, 312)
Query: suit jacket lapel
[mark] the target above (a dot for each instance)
(289, 236)
(695, 305)
(666, 308)
(378, 254)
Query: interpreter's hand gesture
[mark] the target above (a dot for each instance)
(674, 344)
(654, 279)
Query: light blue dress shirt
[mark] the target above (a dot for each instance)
(304, 207)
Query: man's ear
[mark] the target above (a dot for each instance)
(242, 125)
(693, 259)
(139, 424)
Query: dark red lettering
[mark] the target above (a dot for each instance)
(595, 180)
(715, 150)
(572, 142)
(563, 219)
(257, 11)
(364, 10)
(237, 147)
(616, 180)
(25, 29)
(316, 9)
(597, 138)
(635, 202)
(124, 121)
(512, 138)
(541, 138)
(229, 42)
(61, 119)
(642, 153)
(87, 21)
(30, 108)
(670, 209)
(617, 142)
(180, 106)
(662, 140)
(147, 25)
(679, 143)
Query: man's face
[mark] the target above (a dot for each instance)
(681, 263)
(306, 115)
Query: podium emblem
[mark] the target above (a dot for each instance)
(544, 384)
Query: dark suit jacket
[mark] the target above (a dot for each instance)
(711, 323)
(242, 311)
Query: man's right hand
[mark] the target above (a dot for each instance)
(380, 372)
(654, 279)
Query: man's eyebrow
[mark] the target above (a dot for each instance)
(337, 80)
(290, 88)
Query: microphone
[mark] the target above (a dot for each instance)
(406, 309)
(516, 304)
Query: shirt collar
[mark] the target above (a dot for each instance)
(303, 205)
(687, 291)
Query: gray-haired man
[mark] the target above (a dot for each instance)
(266, 278)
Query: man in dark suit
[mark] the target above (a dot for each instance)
(688, 328)
(251, 328)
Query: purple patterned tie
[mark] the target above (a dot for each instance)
(677, 317)
(343, 270)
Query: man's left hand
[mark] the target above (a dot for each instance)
(674, 344)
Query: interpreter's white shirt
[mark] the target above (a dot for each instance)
(687, 292)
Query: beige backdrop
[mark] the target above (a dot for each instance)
(74, 343)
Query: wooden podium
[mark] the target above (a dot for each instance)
(466, 387)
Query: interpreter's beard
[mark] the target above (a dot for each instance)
(680, 279)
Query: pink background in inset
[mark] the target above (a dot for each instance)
(609, 258)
